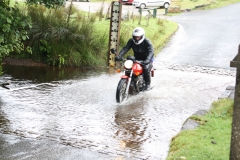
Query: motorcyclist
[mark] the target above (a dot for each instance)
(143, 50)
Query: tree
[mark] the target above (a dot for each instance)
(13, 29)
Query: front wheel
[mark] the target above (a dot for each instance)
(121, 89)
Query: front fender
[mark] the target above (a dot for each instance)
(124, 77)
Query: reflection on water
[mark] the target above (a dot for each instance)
(25, 76)
(4, 122)
(48, 74)
(130, 121)
(40, 92)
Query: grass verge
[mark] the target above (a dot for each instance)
(159, 31)
(211, 140)
(191, 4)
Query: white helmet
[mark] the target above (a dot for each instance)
(138, 32)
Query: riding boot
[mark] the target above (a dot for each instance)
(147, 76)
(148, 81)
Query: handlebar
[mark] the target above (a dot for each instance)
(137, 61)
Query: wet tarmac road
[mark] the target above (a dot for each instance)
(77, 110)
(205, 38)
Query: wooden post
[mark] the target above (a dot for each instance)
(235, 137)
(114, 31)
(140, 17)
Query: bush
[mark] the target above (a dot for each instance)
(13, 26)
(64, 37)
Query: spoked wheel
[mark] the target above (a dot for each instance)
(121, 89)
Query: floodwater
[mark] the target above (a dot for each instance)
(77, 107)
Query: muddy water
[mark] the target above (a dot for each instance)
(77, 107)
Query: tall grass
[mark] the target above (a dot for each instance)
(70, 37)
(64, 37)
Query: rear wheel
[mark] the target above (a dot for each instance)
(121, 89)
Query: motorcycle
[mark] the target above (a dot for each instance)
(132, 81)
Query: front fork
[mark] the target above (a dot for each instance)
(129, 82)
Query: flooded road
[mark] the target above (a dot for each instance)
(77, 107)
(81, 111)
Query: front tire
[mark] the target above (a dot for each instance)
(121, 89)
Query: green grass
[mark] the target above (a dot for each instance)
(84, 40)
(211, 140)
(13, 2)
(190, 4)
(71, 50)
(157, 30)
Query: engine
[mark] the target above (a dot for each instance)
(140, 84)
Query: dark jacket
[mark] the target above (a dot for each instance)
(144, 51)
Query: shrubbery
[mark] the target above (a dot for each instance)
(64, 37)
(13, 28)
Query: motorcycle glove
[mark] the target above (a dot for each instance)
(118, 58)
(146, 62)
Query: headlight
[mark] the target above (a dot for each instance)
(128, 64)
